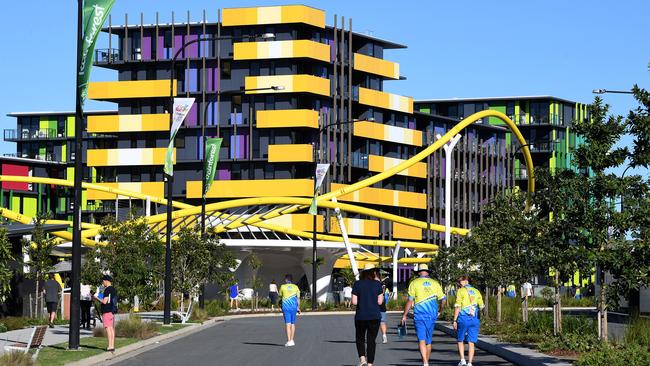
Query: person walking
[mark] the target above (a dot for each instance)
(52, 289)
(466, 319)
(423, 295)
(367, 295)
(86, 300)
(290, 298)
(382, 309)
(108, 308)
(273, 294)
(347, 295)
(234, 295)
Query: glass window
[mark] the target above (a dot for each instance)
(255, 69)
(226, 70)
(179, 142)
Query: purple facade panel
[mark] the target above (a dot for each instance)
(192, 50)
(223, 174)
(178, 41)
(146, 46)
(191, 119)
(160, 49)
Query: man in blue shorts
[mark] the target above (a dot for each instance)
(424, 294)
(233, 291)
(290, 298)
(466, 320)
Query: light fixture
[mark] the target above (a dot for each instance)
(599, 91)
(267, 35)
(277, 87)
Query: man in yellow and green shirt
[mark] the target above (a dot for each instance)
(290, 297)
(466, 321)
(424, 294)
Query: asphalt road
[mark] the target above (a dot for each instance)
(320, 340)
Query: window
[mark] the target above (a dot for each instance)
(150, 142)
(179, 142)
(226, 70)
(235, 172)
(269, 171)
(151, 74)
(136, 175)
(269, 102)
(255, 69)
(134, 143)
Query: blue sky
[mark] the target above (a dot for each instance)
(457, 48)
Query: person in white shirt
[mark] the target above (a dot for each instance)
(347, 295)
(273, 294)
(527, 290)
(86, 301)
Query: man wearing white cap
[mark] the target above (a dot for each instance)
(424, 294)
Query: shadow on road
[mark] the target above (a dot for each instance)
(264, 344)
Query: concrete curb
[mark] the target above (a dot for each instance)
(519, 355)
(132, 350)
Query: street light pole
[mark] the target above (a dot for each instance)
(170, 178)
(75, 296)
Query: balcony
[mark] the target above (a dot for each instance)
(128, 157)
(273, 15)
(112, 90)
(42, 157)
(27, 135)
(376, 66)
(282, 49)
(291, 83)
(380, 164)
(108, 55)
(379, 131)
(287, 118)
(376, 98)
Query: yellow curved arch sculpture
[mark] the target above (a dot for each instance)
(296, 203)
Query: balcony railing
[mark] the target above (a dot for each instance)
(27, 134)
(108, 55)
(44, 157)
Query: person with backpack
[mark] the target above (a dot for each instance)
(108, 308)
(466, 320)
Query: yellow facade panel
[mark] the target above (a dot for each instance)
(128, 123)
(273, 15)
(107, 90)
(302, 222)
(291, 153)
(385, 197)
(385, 100)
(401, 231)
(289, 83)
(378, 131)
(356, 227)
(377, 66)
(253, 188)
(381, 163)
(154, 189)
(282, 49)
(287, 118)
(128, 157)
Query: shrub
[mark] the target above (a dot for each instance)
(134, 327)
(15, 322)
(575, 342)
(609, 355)
(3, 328)
(199, 315)
(16, 359)
(99, 332)
(216, 308)
(638, 332)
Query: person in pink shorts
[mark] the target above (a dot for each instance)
(108, 307)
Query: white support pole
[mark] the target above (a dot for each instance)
(448, 147)
(395, 256)
(147, 210)
(346, 241)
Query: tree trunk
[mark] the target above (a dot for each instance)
(524, 309)
(486, 311)
(499, 304)
(37, 314)
(602, 307)
(634, 301)
(557, 321)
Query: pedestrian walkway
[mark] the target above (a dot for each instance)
(56, 335)
(321, 340)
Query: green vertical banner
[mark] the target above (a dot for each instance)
(321, 171)
(212, 147)
(94, 15)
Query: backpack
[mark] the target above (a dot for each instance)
(114, 302)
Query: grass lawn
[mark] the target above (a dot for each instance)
(91, 346)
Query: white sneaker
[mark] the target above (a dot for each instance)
(469, 364)
(290, 344)
(384, 339)
(463, 363)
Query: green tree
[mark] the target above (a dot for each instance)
(499, 250)
(39, 249)
(197, 260)
(598, 155)
(91, 270)
(135, 258)
(255, 264)
(348, 276)
(5, 272)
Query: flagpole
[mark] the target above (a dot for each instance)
(73, 335)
